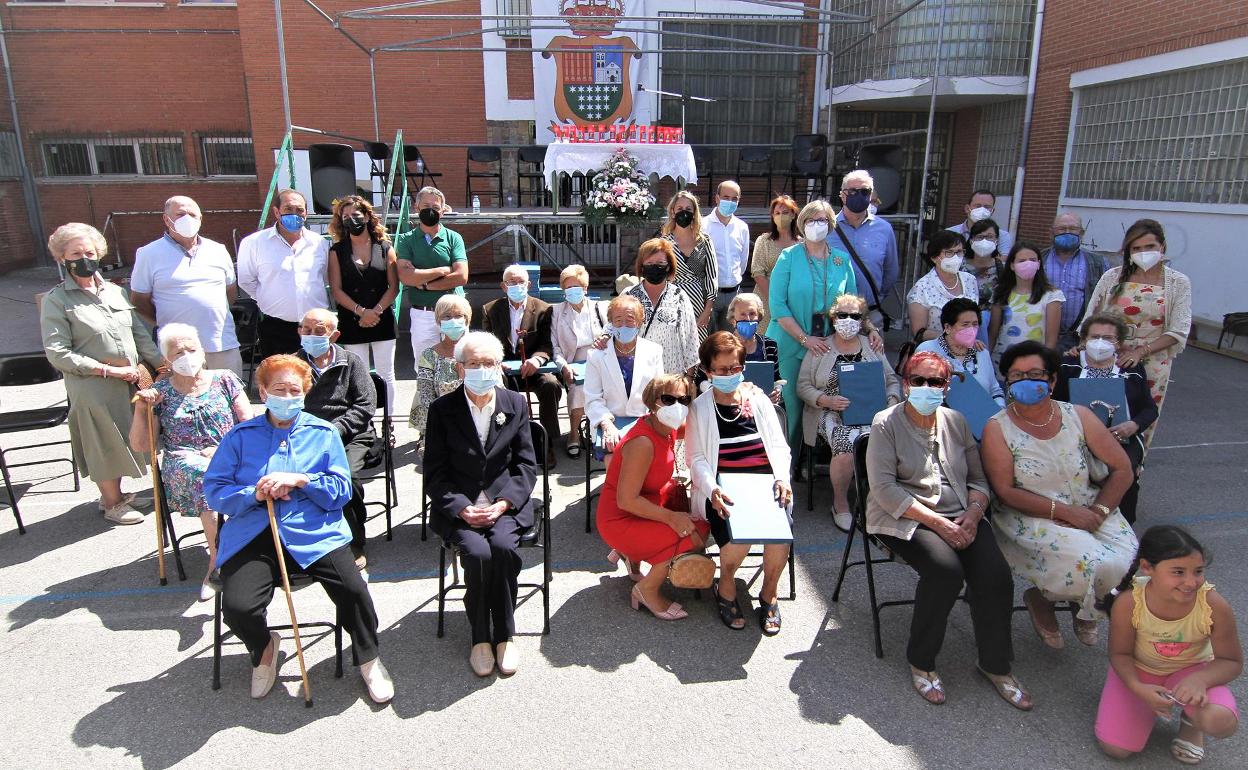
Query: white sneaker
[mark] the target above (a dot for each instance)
(122, 513)
(127, 498)
(377, 680)
(262, 676)
(508, 656)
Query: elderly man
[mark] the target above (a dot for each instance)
(869, 240)
(731, 236)
(1073, 270)
(343, 395)
(479, 475)
(522, 325)
(283, 268)
(432, 262)
(982, 206)
(183, 277)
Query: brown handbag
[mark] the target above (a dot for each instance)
(692, 570)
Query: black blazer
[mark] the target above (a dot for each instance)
(535, 323)
(1139, 398)
(457, 468)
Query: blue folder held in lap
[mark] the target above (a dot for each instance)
(622, 424)
(761, 374)
(754, 516)
(969, 397)
(1107, 397)
(863, 384)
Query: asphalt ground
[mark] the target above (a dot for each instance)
(104, 668)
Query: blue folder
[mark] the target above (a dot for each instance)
(863, 384)
(754, 516)
(762, 374)
(622, 424)
(969, 397)
(512, 368)
(1105, 396)
(578, 372)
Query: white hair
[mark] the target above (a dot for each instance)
(171, 333)
(747, 298)
(64, 235)
(575, 271)
(858, 174)
(483, 342)
(517, 271)
(447, 302)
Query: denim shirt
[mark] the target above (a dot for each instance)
(310, 524)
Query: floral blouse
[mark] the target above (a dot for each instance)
(435, 377)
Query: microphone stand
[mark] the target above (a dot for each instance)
(684, 101)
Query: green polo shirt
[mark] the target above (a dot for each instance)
(443, 249)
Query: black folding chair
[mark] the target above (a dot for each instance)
(171, 535)
(30, 369)
(492, 158)
(378, 160)
(809, 164)
(754, 162)
(383, 459)
(531, 175)
(417, 170)
(704, 166)
(536, 536)
(247, 326)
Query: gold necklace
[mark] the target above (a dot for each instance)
(1045, 424)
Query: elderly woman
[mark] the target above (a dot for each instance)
(670, 320)
(295, 461)
(805, 283)
(782, 234)
(946, 253)
(696, 268)
(194, 408)
(959, 321)
(436, 373)
(927, 502)
(642, 512)
(94, 336)
(818, 385)
(616, 378)
(479, 472)
(733, 428)
(1058, 475)
(574, 325)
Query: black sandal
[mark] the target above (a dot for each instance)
(729, 610)
(769, 617)
(574, 450)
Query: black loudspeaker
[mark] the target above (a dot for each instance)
(883, 162)
(332, 168)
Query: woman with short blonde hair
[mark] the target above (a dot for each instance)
(574, 325)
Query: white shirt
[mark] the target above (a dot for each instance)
(732, 249)
(517, 315)
(481, 416)
(1004, 240)
(189, 287)
(286, 281)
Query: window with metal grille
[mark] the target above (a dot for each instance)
(124, 156)
(9, 162)
(1000, 136)
(854, 123)
(518, 23)
(1178, 136)
(228, 156)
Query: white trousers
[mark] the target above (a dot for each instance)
(382, 363)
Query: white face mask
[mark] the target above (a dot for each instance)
(1100, 350)
(1146, 260)
(848, 328)
(186, 226)
(951, 264)
(980, 213)
(672, 415)
(983, 248)
(187, 364)
(872, 209)
(815, 232)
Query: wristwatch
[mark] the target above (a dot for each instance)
(1104, 509)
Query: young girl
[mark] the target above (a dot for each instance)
(1172, 641)
(1024, 305)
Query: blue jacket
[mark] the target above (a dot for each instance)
(310, 523)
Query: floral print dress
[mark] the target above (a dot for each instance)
(1143, 307)
(1065, 563)
(191, 424)
(435, 377)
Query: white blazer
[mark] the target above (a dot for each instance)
(702, 444)
(563, 337)
(605, 396)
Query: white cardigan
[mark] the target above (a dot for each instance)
(563, 337)
(605, 396)
(702, 444)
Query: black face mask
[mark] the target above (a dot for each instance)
(683, 218)
(857, 203)
(83, 268)
(430, 216)
(355, 225)
(655, 273)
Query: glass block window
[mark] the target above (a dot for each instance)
(228, 156)
(518, 24)
(137, 156)
(1178, 136)
(1000, 138)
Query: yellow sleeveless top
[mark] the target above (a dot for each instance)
(1163, 647)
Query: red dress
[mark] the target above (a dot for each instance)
(637, 538)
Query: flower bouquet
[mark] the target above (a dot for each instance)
(621, 191)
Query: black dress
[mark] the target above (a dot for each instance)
(365, 286)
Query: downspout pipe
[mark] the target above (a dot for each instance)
(1016, 201)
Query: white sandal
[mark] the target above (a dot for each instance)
(927, 682)
(1009, 688)
(1185, 751)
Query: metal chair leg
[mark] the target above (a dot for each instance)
(173, 541)
(216, 643)
(875, 607)
(849, 543)
(17, 514)
(792, 575)
(810, 476)
(441, 589)
(338, 650)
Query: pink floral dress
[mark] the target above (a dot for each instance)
(1143, 306)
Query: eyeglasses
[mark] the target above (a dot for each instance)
(857, 190)
(1033, 374)
(1065, 230)
(952, 253)
(918, 381)
(480, 364)
(726, 372)
(1107, 337)
(667, 399)
(840, 316)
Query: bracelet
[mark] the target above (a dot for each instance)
(976, 504)
(1052, 508)
(802, 339)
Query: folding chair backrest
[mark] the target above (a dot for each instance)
(484, 154)
(382, 391)
(27, 369)
(810, 153)
(534, 153)
(861, 485)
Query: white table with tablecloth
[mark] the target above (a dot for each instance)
(674, 161)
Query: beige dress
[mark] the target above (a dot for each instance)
(763, 261)
(1065, 563)
(82, 332)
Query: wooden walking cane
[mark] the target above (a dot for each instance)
(145, 381)
(290, 605)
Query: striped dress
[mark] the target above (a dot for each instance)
(741, 450)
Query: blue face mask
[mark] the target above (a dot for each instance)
(727, 383)
(925, 399)
(283, 408)
(1066, 242)
(1029, 391)
(292, 223)
(857, 201)
(747, 329)
(314, 345)
(727, 208)
(480, 381)
(575, 295)
(516, 292)
(453, 328)
(625, 334)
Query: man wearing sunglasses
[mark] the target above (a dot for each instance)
(868, 239)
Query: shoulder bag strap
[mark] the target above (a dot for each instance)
(875, 290)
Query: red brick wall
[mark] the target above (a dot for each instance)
(1125, 30)
(519, 69)
(16, 249)
(962, 163)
